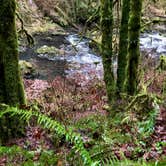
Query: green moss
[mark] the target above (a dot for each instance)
(106, 22)
(50, 50)
(123, 44)
(27, 68)
(131, 81)
(12, 91)
(47, 157)
(162, 64)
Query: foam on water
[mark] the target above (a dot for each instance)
(86, 60)
(154, 42)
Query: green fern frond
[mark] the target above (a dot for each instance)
(51, 124)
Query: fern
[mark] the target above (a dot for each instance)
(51, 124)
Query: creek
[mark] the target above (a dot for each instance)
(70, 54)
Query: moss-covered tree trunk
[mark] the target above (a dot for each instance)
(123, 45)
(11, 87)
(106, 22)
(133, 48)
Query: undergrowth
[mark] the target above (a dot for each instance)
(101, 140)
(17, 156)
(64, 98)
(50, 124)
(122, 138)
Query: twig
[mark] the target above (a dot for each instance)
(23, 30)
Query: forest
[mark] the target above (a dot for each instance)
(82, 83)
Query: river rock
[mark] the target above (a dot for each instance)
(27, 69)
(50, 50)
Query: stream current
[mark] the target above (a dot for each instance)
(78, 57)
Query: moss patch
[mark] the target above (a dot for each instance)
(27, 68)
(50, 50)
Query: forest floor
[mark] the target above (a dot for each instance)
(81, 98)
(82, 105)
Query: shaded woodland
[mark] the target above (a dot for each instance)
(83, 83)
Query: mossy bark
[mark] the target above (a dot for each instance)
(162, 65)
(11, 87)
(106, 23)
(131, 82)
(123, 45)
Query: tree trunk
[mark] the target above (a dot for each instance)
(106, 22)
(12, 92)
(11, 87)
(123, 45)
(133, 48)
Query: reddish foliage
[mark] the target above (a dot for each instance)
(64, 98)
(157, 80)
(34, 88)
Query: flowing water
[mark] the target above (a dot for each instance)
(153, 42)
(78, 57)
(82, 59)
